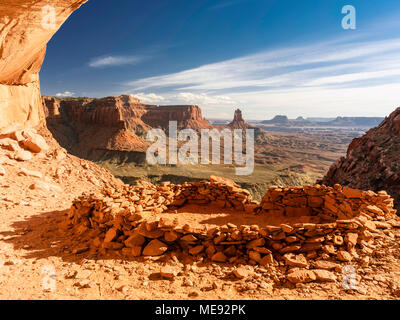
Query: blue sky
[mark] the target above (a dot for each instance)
(267, 57)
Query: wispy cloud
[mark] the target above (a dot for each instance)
(201, 99)
(112, 61)
(318, 72)
(65, 94)
(225, 4)
(150, 98)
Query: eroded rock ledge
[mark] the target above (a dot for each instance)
(132, 221)
(22, 49)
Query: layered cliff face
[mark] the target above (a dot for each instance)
(23, 38)
(187, 116)
(113, 126)
(372, 161)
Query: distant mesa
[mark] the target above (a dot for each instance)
(360, 122)
(279, 119)
(355, 121)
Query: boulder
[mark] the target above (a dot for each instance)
(301, 276)
(155, 248)
(34, 142)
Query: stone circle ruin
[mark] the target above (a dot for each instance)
(301, 227)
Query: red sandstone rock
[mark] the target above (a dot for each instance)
(155, 248)
(242, 273)
(344, 256)
(168, 272)
(123, 120)
(23, 49)
(219, 257)
(34, 142)
(324, 275)
(295, 260)
(135, 240)
(301, 276)
(371, 161)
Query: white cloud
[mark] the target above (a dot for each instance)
(111, 61)
(65, 94)
(150, 98)
(276, 67)
(203, 99)
(332, 78)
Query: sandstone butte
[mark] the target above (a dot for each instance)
(90, 128)
(314, 232)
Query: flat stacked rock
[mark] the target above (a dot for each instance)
(326, 202)
(116, 220)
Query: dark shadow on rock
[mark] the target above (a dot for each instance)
(49, 235)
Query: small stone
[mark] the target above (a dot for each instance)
(301, 276)
(83, 284)
(84, 274)
(325, 265)
(376, 210)
(196, 250)
(256, 243)
(351, 239)
(188, 283)
(267, 260)
(34, 142)
(344, 256)
(136, 251)
(193, 294)
(71, 274)
(111, 235)
(17, 135)
(295, 260)
(42, 186)
(155, 248)
(286, 228)
(324, 275)
(29, 173)
(219, 257)
(22, 155)
(171, 236)
(168, 272)
(2, 171)
(123, 289)
(396, 292)
(365, 261)
(242, 273)
(189, 238)
(338, 240)
(135, 240)
(254, 255)
(80, 250)
(370, 225)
